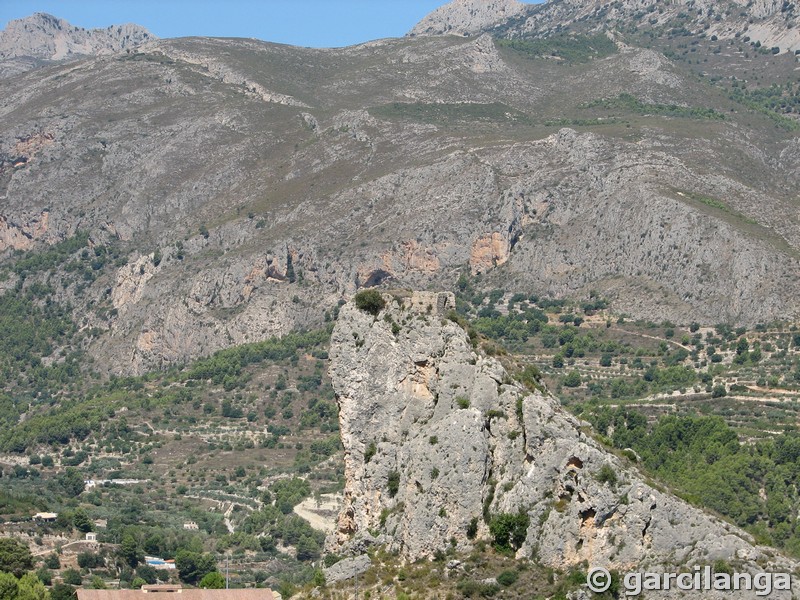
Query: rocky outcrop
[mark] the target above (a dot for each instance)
(223, 72)
(44, 36)
(439, 439)
(347, 568)
(489, 251)
(773, 23)
(467, 17)
(23, 236)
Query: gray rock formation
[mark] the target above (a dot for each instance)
(468, 17)
(773, 23)
(347, 568)
(437, 437)
(45, 37)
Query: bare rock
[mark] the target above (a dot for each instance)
(47, 37)
(347, 568)
(467, 17)
(438, 437)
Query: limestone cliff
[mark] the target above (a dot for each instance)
(773, 23)
(467, 17)
(438, 436)
(45, 37)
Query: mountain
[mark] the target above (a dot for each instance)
(771, 23)
(606, 203)
(441, 446)
(24, 43)
(468, 17)
(571, 166)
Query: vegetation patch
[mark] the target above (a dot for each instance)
(570, 49)
(509, 530)
(778, 102)
(569, 122)
(754, 485)
(370, 301)
(630, 104)
(449, 113)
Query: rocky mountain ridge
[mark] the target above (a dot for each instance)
(468, 17)
(439, 441)
(25, 43)
(206, 164)
(771, 23)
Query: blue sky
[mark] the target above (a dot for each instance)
(317, 23)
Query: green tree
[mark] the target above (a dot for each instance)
(509, 530)
(45, 576)
(8, 586)
(129, 550)
(393, 483)
(72, 482)
(508, 578)
(98, 583)
(472, 528)
(319, 578)
(193, 566)
(213, 581)
(370, 301)
(137, 583)
(742, 346)
(606, 474)
(90, 560)
(30, 588)
(147, 573)
(72, 577)
(81, 520)
(15, 558)
(63, 591)
(289, 493)
(573, 379)
(229, 411)
(308, 548)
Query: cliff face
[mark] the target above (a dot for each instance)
(42, 37)
(771, 22)
(468, 17)
(437, 437)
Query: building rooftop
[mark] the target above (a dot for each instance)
(176, 592)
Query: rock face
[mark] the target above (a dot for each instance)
(43, 36)
(347, 568)
(771, 22)
(438, 437)
(467, 17)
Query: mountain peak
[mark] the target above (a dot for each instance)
(44, 36)
(771, 23)
(467, 17)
